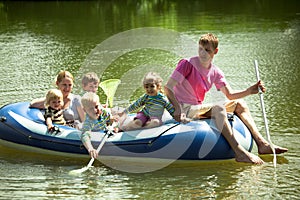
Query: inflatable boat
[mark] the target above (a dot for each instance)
(24, 128)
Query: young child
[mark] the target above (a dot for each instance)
(54, 113)
(153, 103)
(96, 119)
(90, 82)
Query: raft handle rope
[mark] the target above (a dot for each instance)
(153, 140)
(31, 137)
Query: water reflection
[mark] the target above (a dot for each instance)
(214, 179)
(191, 180)
(38, 39)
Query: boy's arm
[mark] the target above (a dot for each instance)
(168, 106)
(85, 138)
(230, 94)
(171, 96)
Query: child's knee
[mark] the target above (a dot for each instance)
(135, 124)
(153, 123)
(138, 123)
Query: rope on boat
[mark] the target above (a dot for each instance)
(146, 142)
(153, 140)
(30, 137)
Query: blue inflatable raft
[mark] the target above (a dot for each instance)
(24, 128)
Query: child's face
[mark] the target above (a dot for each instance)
(91, 87)
(206, 53)
(56, 103)
(93, 110)
(151, 89)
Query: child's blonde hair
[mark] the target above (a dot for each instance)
(53, 94)
(90, 77)
(153, 77)
(209, 38)
(88, 98)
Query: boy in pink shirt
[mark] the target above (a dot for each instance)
(192, 90)
(188, 85)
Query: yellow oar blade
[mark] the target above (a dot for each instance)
(110, 87)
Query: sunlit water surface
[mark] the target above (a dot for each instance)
(37, 40)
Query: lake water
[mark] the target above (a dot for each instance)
(124, 39)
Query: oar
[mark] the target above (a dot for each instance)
(264, 114)
(109, 87)
(79, 171)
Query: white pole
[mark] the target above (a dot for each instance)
(264, 114)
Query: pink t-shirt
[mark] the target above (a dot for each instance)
(194, 80)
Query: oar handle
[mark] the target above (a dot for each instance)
(257, 74)
(102, 142)
(261, 98)
(264, 113)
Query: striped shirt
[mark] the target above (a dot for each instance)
(55, 115)
(94, 124)
(153, 106)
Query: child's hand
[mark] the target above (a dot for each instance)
(93, 153)
(185, 119)
(120, 119)
(50, 127)
(54, 130)
(121, 114)
(177, 115)
(99, 111)
(115, 123)
(116, 129)
(114, 118)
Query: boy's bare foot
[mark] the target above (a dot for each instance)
(249, 158)
(266, 149)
